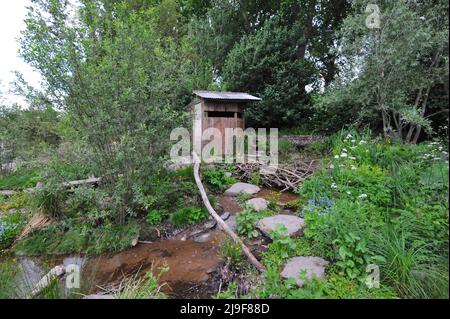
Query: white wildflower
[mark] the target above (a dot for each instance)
(344, 150)
(331, 166)
(336, 156)
(333, 186)
(353, 167)
(362, 196)
(362, 142)
(352, 158)
(348, 193)
(353, 141)
(344, 155)
(349, 136)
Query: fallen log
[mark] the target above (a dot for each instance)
(219, 220)
(55, 272)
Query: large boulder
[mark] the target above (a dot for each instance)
(258, 203)
(309, 266)
(294, 224)
(242, 188)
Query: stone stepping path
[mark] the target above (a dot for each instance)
(310, 266)
(242, 188)
(294, 224)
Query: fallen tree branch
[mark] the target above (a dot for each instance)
(219, 220)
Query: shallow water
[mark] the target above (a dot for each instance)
(193, 265)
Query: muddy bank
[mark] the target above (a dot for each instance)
(192, 266)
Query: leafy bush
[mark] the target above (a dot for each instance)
(188, 216)
(146, 287)
(155, 217)
(22, 178)
(217, 178)
(50, 198)
(83, 200)
(9, 272)
(386, 204)
(246, 222)
(71, 237)
(232, 253)
(286, 244)
(11, 224)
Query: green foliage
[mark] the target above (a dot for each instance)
(11, 225)
(269, 64)
(281, 238)
(20, 179)
(50, 198)
(141, 287)
(403, 59)
(255, 178)
(9, 272)
(217, 178)
(353, 255)
(285, 148)
(155, 217)
(382, 203)
(187, 216)
(26, 134)
(70, 237)
(246, 220)
(408, 265)
(84, 200)
(232, 253)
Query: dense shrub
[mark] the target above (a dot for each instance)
(386, 204)
(11, 224)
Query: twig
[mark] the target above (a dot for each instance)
(219, 220)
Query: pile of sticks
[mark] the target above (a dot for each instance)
(286, 177)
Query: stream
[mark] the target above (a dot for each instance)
(194, 265)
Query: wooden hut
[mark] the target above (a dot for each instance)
(219, 110)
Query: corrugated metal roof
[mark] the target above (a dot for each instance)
(235, 96)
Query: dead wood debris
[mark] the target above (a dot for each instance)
(286, 177)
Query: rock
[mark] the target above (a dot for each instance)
(225, 216)
(258, 204)
(98, 296)
(242, 188)
(293, 224)
(203, 237)
(210, 224)
(312, 266)
(7, 193)
(231, 222)
(134, 242)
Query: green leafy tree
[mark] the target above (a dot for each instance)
(123, 85)
(390, 71)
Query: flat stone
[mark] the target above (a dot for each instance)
(258, 204)
(203, 237)
(225, 216)
(231, 222)
(311, 266)
(242, 188)
(210, 224)
(293, 224)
